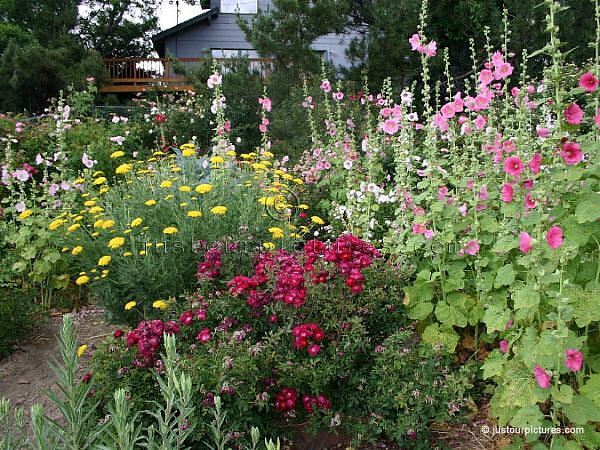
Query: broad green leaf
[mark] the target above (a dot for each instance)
(564, 394)
(419, 292)
(586, 304)
(582, 410)
(591, 389)
(505, 276)
(505, 244)
(588, 210)
(435, 335)
(493, 365)
(496, 318)
(528, 416)
(526, 297)
(450, 315)
(420, 311)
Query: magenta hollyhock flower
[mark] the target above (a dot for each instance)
(554, 237)
(390, 126)
(513, 166)
(573, 114)
(415, 42)
(536, 163)
(507, 193)
(529, 201)
(542, 132)
(525, 241)
(503, 345)
(571, 153)
(588, 82)
(542, 377)
(204, 335)
(472, 247)
(314, 349)
(573, 359)
(597, 118)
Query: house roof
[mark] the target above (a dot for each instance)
(207, 15)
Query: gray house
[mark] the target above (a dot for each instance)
(215, 33)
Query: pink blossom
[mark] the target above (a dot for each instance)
(525, 242)
(588, 82)
(497, 58)
(214, 80)
(480, 122)
(503, 345)
(573, 357)
(326, 86)
(536, 163)
(571, 153)
(529, 201)
(554, 237)
(486, 76)
(503, 70)
(21, 175)
(262, 128)
(339, 96)
(471, 247)
(390, 126)
(507, 193)
(430, 49)
(542, 377)
(528, 184)
(573, 114)
(441, 122)
(542, 132)
(448, 110)
(418, 228)
(266, 103)
(513, 166)
(462, 209)
(204, 335)
(415, 42)
(515, 92)
(597, 118)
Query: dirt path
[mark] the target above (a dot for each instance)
(25, 375)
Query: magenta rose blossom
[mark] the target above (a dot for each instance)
(571, 153)
(507, 193)
(573, 359)
(542, 377)
(513, 166)
(588, 82)
(554, 237)
(573, 114)
(525, 242)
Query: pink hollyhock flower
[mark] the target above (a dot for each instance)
(528, 184)
(573, 114)
(571, 153)
(573, 357)
(597, 118)
(326, 86)
(415, 42)
(507, 193)
(486, 77)
(430, 49)
(214, 80)
(313, 350)
(525, 242)
(554, 237)
(503, 70)
(529, 201)
(480, 122)
(471, 247)
(503, 345)
(390, 126)
(588, 82)
(536, 163)
(497, 58)
(513, 166)
(542, 377)
(266, 103)
(262, 128)
(418, 228)
(339, 96)
(448, 110)
(462, 209)
(542, 132)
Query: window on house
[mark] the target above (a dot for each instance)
(239, 6)
(252, 54)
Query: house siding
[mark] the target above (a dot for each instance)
(223, 33)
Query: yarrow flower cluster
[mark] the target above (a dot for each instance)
(307, 336)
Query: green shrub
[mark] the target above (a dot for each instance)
(19, 312)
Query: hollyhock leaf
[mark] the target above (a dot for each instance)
(489, 224)
(496, 318)
(449, 315)
(532, 219)
(575, 234)
(505, 276)
(522, 390)
(455, 281)
(574, 173)
(493, 365)
(582, 410)
(420, 311)
(586, 305)
(505, 244)
(588, 210)
(526, 297)
(475, 314)
(528, 416)
(563, 395)
(419, 292)
(435, 335)
(591, 388)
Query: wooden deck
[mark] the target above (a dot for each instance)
(147, 74)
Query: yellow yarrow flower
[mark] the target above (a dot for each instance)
(317, 220)
(97, 173)
(194, 214)
(74, 227)
(268, 245)
(104, 189)
(170, 230)
(276, 232)
(81, 350)
(83, 279)
(25, 214)
(217, 160)
(185, 189)
(116, 242)
(188, 152)
(77, 250)
(89, 203)
(127, 254)
(105, 260)
(130, 305)
(166, 184)
(160, 304)
(219, 210)
(123, 169)
(100, 180)
(107, 224)
(203, 188)
(137, 222)
(117, 154)
(150, 202)
(96, 210)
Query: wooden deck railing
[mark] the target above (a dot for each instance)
(141, 74)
